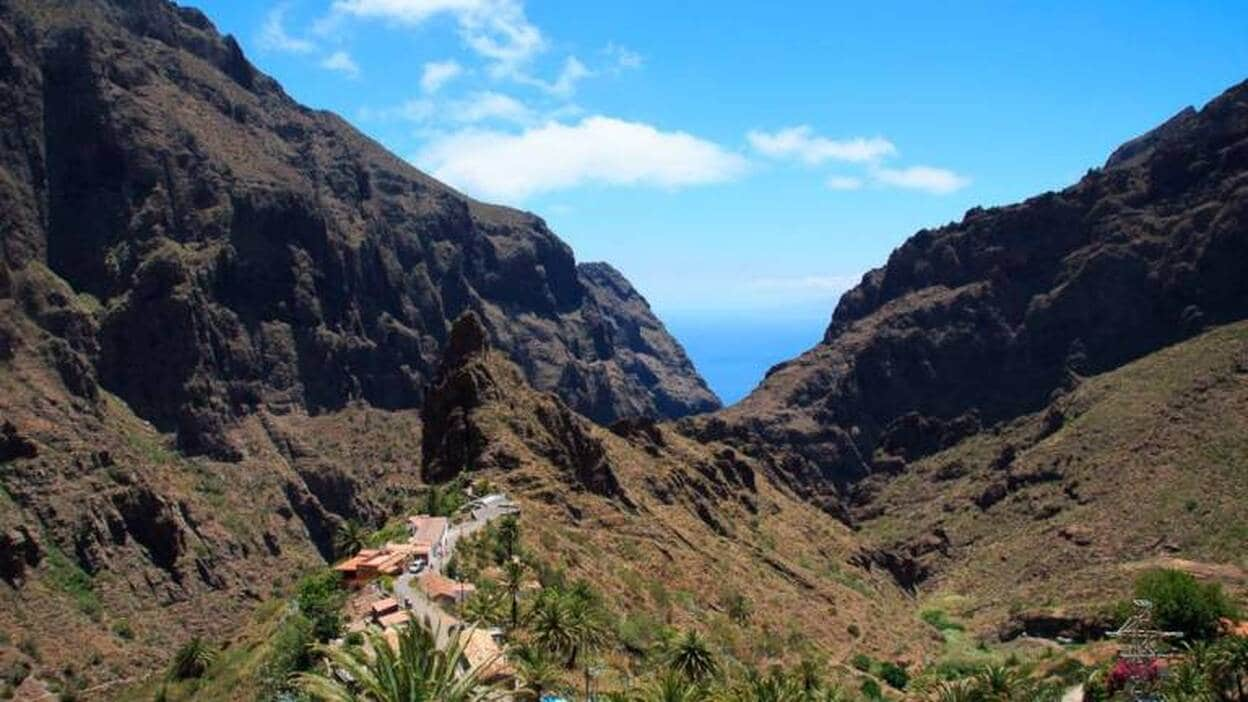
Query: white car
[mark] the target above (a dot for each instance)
(417, 567)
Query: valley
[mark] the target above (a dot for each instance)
(241, 343)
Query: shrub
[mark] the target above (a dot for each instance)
(122, 629)
(1180, 603)
(871, 690)
(191, 660)
(862, 662)
(894, 675)
(320, 599)
(938, 619)
(853, 630)
(289, 652)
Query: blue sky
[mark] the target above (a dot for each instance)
(744, 159)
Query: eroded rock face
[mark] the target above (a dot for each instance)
(250, 253)
(986, 319)
(479, 414)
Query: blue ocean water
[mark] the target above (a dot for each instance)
(733, 352)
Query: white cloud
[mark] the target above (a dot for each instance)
(596, 150)
(496, 29)
(341, 62)
(933, 180)
(622, 58)
(563, 86)
(802, 144)
(415, 110)
(810, 283)
(273, 35)
(843, 183)
(488, 105)
(438, 73)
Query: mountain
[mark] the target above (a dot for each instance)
(245, 251)
(990, 318)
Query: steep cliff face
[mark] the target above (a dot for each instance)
(248, 252)
(986, 319)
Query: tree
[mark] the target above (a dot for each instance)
(672, 688)
(192, 660)
(348, 538)
(894, 675)
(509, 535)
(320, 599)
(415, 670)
(484, 607)
(513, 583)
(1230, 666)
(536, 670)
(693, 659)
(1180, 603)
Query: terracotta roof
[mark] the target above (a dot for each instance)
(426, 529)
(437, 585)
(384, 606)
(394, 619)
(482, 652)
(1233, 628)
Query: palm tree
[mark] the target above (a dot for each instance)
(672, 688)
(484, 607)
(1230, 661)
(693, 659)
(348, 538)
(955, 691)
(536, 670)
(513, 582)
(551, 622)
(509, 534)
(415, 671)
(590, 628)
(192, 660)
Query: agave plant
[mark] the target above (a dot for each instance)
(415, 671)
(692, 658)
(192, 660)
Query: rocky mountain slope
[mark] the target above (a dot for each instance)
(981, 321)
(242, 251)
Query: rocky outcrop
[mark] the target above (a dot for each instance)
(987, 319)
(247, 252)
(480, 414)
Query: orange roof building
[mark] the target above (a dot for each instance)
(394, 619)
(483, 653)
(383, 607)
(372, 562)
(428, 533)
(442, 589)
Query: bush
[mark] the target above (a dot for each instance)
(192, 660)
(938, 619)
(871, 690)
(1180, 603)
(320, 599)
(122, 629)
(289, 652)
(862, 662)
(894, 675)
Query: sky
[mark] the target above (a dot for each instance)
(745, 162)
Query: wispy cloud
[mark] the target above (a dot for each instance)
(555, 156)
(341, 62)
(498, 30)
(488, 105)
(843, 183)
(808, 283)
(622, 58)
(437, 74)
(938, 181)
(274, 37)
(802, 144)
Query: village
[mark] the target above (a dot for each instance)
(401, 582)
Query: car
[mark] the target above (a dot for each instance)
(416, 567)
